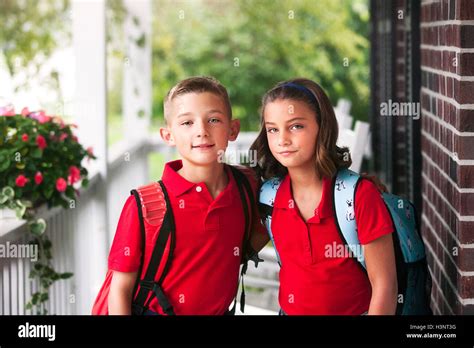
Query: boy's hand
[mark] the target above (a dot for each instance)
(380, 185)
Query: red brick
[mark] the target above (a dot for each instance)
(466, 64)
(466, 287)
(465, 120)
(465, 231)
(464, 147)
(466, 176)
(466, 9)
(464, 91)
(466, 36)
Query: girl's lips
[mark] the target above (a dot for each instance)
(286, 153)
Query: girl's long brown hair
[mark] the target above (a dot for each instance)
(329, 156)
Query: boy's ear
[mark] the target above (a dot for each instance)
(167, 136)
(234, 129)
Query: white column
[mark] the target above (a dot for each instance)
(137, 70)
(90, 113)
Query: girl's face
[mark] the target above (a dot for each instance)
(292, 131)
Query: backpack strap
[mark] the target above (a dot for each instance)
(242, 176)
(155, 209)
(266, 200)
(345, 185)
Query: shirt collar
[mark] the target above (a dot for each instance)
(178, 185)
(284, 197)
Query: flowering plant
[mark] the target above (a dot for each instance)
(40, 159)
(40, 163)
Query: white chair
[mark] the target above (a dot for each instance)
(342, 111)
(356, 140)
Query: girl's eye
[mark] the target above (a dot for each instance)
(296, 126)
(271, 130)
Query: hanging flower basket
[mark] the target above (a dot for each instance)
(40, 164)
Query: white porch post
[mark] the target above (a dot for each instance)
(90, 113)
(137, 82)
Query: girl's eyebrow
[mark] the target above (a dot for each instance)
(289, 121)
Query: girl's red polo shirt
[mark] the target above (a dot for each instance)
(316, 278)
(203, 277)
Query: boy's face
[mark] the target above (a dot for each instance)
(199, 125)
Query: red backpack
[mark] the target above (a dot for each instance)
(157, 224)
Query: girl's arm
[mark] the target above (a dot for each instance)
(258, 240)
(120, 295)
(381, 268)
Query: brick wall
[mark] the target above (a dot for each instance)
(447, 148)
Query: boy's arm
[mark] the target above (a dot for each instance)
(380, 261)
(121, 292)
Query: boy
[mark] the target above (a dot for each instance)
(206, 205)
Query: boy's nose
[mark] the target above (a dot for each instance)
(201, 129)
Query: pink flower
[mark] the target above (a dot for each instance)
(74, 138)
(41, 142)
(74, 175)
(7, 110)
(40, 116)
(25, 137)
(21, 181)
(38, 178)
(90, 151)
(63, 136)
(61, 185)
(25, 112)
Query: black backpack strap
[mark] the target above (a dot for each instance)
(245, 189)
(148, 284)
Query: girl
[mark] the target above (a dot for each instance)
(297, 143)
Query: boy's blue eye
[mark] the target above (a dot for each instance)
(214, 120)
(186, 123)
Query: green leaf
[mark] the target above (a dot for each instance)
(9, 192)
(3, 198)
(4, 161)
(37, 153)
(38, 227)
(66, 275)
(35, 298)
(85, 183)
(29, 305)
(48, 191)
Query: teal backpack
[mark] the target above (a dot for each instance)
(414, 281)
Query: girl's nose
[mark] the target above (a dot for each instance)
(283, 139)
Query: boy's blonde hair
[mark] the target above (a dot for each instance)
(197, 84)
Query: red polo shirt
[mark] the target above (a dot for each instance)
(310, 281)
(203, 277)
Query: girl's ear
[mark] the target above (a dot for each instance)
(167, 136)
(234, 129)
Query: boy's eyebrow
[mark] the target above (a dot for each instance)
(213, 111)
(293, 119)
(184, 114)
